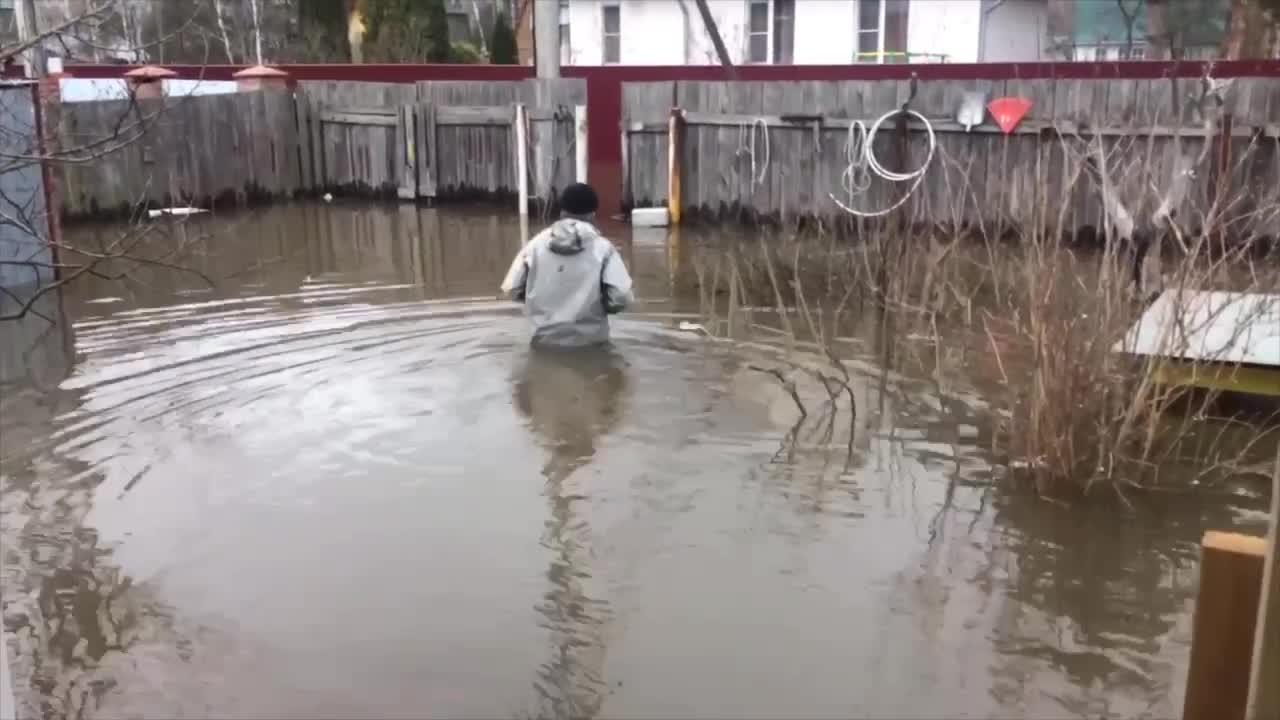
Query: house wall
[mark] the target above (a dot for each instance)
(825, 32)
(946, 27)
(661, 32)
(657, 33)
(22, 195)
(1014, 31)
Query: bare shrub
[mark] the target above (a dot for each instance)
(1029, 318)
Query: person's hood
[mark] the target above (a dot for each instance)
(570, 237)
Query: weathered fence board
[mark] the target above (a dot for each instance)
(198, 149)
(355, 130)
(646, 182)
(782, 149)
(469, 138)
(432, 139)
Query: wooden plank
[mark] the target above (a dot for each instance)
(1226, 614)
(406, 154)
(358, 118)
(428, 162)
(473, 115)
(1264, 690)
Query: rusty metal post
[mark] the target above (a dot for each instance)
(48, 117)
(1231, 567)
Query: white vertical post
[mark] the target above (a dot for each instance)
(580, 141)
(522, 160)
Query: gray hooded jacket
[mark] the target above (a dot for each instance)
(570, 280)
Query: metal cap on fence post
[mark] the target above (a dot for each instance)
(148, 81)
(260, 77)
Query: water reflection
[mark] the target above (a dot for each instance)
(339, 482)
(571, 400)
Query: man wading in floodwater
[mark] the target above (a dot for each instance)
(569, 277)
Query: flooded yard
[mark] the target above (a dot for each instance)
(339, 484)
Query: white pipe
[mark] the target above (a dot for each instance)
(580, 141)
(522, 160)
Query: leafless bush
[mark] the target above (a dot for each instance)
(34, 146)
(1021, 312)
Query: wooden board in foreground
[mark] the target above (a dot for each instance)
(1231, 567)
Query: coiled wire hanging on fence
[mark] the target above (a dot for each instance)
(862, 164)
(747, 146)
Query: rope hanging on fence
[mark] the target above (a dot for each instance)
(862, 164)
(747, 146)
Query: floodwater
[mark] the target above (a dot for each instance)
(339, 484)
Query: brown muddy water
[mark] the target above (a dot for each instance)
(338, 484)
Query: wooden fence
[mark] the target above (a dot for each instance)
(123, 154)
(781, 149)
(432, 140)
(441, 139)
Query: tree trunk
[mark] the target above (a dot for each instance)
(710, 23)
(254, 7)
(222, 30)
(355, 31)
(1237, 28)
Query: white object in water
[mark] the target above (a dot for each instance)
(692, 327)
(175, 212)
(1220, 327)
(648, 236)
(650, 217)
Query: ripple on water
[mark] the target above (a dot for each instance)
(344, 498)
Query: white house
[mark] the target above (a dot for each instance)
(809, 32)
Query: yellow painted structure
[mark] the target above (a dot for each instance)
(1250, 379)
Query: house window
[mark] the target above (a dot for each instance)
(758, 31)
(1136, 52)
(612, 35)
(784, 31)
(882, 31)
(566, 53)
(868, 49)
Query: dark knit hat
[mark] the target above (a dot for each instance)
(579, 199)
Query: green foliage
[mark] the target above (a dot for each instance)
(323, 25)
(407, 31)
(464, 53)
(439, 50)
(502, 42)
(394, 31)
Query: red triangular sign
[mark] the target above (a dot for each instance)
(1008, 112)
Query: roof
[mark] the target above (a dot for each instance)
(1220, 327)
(150, 72)
(259, 71)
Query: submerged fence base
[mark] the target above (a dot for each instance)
(429, 141)
(1107, 153)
